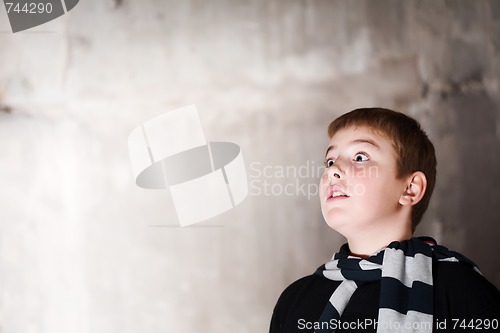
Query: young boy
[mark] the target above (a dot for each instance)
(379, 177)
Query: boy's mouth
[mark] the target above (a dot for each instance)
(335, 192)
(338, 194)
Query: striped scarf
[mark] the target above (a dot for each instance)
(405, 273)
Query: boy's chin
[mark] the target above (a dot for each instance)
(341, 224)
(336, 223)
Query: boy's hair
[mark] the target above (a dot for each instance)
(414, 150)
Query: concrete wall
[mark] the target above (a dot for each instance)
(82, 249)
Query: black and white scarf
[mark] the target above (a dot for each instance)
(405, 273)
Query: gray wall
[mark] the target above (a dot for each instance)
(82, 249)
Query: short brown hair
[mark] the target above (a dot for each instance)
(414, 150)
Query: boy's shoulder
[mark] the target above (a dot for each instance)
(464, 290)
(312, 286)
(451, 275)
(304, 299)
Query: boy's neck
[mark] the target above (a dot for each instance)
(367, 243)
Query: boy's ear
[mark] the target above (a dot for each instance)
(416, 185)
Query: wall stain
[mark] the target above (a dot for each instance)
(5, 108)
(447, 89)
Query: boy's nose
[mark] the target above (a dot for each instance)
(334, 171)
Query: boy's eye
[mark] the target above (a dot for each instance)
(329, 162)
(360, 157)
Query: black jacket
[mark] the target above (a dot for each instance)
(464, 301)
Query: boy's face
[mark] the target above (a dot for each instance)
(359, 188)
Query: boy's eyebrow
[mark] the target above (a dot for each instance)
(371, 142)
